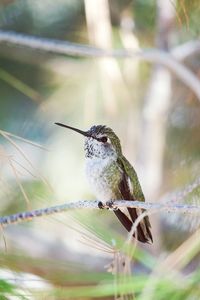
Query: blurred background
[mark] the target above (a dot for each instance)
(156, 115)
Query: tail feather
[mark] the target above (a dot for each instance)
(142, 234)
(148, 226)
(126, 222)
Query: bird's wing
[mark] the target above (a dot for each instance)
(130, 189)
(134, 183)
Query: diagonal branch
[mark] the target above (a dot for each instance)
(84, 204)
(181, 52)
(68, 48)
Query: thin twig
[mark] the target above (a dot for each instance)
(4, 239)
(19, 183)
(68, 48)
(23, 140)
(168, 207)
(23, 154)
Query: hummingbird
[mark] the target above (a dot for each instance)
(111, 177)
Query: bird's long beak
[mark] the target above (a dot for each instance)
(85, 133)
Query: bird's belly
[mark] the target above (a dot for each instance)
(103, 177)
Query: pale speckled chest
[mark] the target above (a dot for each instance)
(104, 176)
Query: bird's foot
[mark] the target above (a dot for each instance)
(108, 205)
(111, 205)
(101, 205)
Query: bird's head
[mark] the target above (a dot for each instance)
(100, 141)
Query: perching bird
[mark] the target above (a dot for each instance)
(112, 177)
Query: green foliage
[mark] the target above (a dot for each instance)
(145, 15)
(8, 290)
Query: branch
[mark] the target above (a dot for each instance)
(68, 48)
(181, 52)
(151, 207)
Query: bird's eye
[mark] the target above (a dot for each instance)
(104, 139)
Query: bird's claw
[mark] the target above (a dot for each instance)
(101, 205)
(107, 205)
(111, 205)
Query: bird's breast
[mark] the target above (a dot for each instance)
(103, 176)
